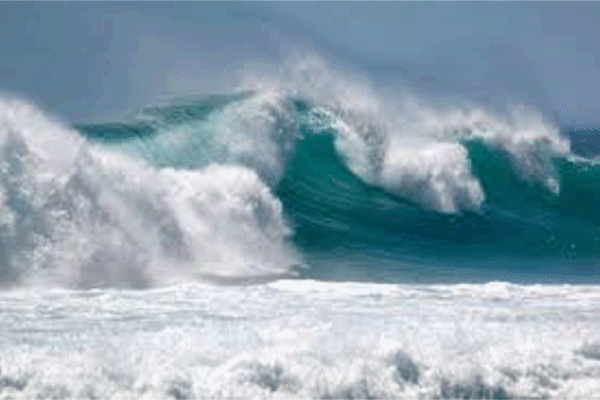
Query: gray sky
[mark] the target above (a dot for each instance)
(90, 61)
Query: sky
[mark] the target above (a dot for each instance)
(90, 61)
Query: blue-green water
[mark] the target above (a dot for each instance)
(348, 226)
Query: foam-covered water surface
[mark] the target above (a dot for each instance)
(302, 339)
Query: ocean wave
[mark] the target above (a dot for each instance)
(220, 186)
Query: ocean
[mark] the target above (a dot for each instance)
(302, 236)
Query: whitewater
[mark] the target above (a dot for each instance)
(304, 236)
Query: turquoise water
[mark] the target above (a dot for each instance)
(348, 227)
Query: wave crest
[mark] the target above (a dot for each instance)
(409, 147)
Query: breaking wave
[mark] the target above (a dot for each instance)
(249, 185)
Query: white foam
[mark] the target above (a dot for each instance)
(74, 214)
(302, 339)
(259, 132)
(437, 177)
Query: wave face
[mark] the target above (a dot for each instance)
(308, 168)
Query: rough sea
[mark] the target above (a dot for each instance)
(303, 236)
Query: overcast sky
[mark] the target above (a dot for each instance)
(90, 61)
